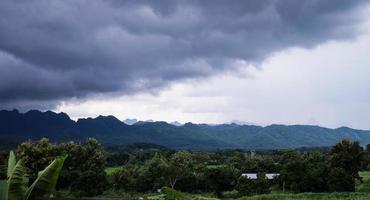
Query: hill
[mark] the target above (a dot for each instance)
(16, 127)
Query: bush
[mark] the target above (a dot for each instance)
(234, 194)
(340, 181)
(131, 178)
(248, 187)
(171, 194)
(219, 179)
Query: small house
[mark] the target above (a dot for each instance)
(254, 175)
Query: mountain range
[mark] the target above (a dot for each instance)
(16, 127)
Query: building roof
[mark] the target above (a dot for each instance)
(254, 175)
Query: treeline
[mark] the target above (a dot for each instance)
(146, 168)
(335, 170)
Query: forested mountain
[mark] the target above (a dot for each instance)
(16, 127)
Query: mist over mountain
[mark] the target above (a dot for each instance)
(176, 123)
(130, 121)
(16, 127)
(238, 122)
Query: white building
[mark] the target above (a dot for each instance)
(254, 176)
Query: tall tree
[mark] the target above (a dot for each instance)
(349, 156)
(180, 166)
(155, 171)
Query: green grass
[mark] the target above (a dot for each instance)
(365, 185)
(111, 170)
(188, 197)
(285, 196)
(311, 196)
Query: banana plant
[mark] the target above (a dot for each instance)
(16, 187)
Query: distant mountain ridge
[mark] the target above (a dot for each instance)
(16, 127)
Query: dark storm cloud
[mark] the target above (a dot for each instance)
(54, 50)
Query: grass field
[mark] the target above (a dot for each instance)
(312, 196)
(365, 185)
(286, 196)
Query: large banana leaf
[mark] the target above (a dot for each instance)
(11, 163)
(3, 190)
(17, 182)
(46, 180)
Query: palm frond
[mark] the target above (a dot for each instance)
(46, 180)
(11, 163)
(17, 182)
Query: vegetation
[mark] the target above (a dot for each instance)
(112, 170)
(364, 185)
(304, 173)
(311, 196)
(220, 172)
(16, 187)
(83, 173)
(3, 164)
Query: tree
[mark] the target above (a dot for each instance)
(349, 156)
(36, 156)
(340, 181)
(180, 166)
(245, 186)
(293, 171)
(316, 175)
(131, 178)
(248, 187)
(221, 178)
(316, 178)
(155, 171)
(84, 168)
(261, 185)
(368, 148)
(88, 163)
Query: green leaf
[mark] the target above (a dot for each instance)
(17, 182)
(3, 190)
(11, 163)
(46, 180)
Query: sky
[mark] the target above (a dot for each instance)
(266, 61)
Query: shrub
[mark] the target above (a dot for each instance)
(171, 194)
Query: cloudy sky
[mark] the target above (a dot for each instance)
(261, 61)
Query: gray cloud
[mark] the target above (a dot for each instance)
(55, 50)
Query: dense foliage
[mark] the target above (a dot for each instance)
(335, 170)
(16, 186)
(145, 168)
(83, 170)
(3, 164)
